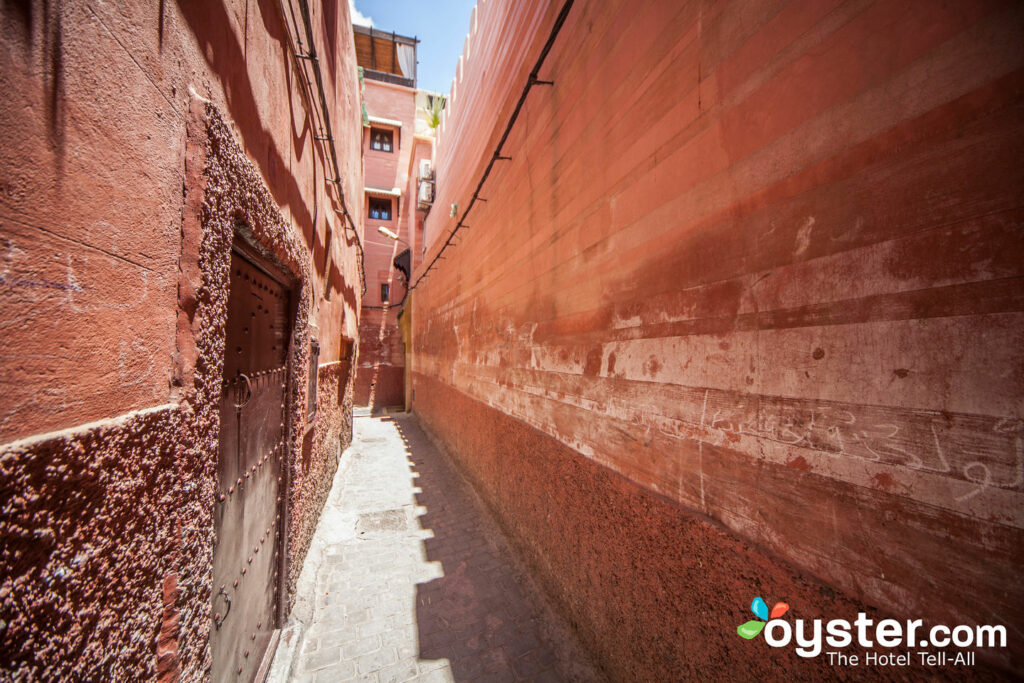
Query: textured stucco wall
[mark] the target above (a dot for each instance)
(137, 139)
(762, 259)
(656, 591)
(331, 433)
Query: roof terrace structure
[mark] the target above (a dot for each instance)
(386, 56)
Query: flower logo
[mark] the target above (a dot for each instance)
(760, 609)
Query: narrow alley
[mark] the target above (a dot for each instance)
(511, 340)
(409, 578)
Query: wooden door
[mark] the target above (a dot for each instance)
(247, 518)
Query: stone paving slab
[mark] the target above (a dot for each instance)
(408, 579)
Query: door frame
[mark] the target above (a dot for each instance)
(228, 205)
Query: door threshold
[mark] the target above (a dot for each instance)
(268, 657)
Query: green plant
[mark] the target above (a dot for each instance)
(433, 111)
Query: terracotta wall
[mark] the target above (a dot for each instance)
(764, 261)
(136, 137)
(381, 364)
(423, 150)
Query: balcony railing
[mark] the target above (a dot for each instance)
(388, 78)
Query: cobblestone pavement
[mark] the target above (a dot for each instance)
(409, 579)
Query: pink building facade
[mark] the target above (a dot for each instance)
(396, 143)
(390, 100)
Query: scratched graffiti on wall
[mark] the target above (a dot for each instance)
(978, 449)
(979, 456)
(51, 294)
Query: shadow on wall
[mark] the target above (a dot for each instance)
(210, 24)
(336, 279)
(18, 20)
(379, 386)
(477, 615)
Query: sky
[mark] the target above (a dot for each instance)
(440, 25)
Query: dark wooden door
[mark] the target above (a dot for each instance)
(247, 518)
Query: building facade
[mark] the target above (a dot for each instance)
(395, 144)
(180, 286)
(739, 316)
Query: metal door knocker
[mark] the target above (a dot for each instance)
(217, 618)
(248, 391)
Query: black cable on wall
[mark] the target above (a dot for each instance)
(532, 80)
(323, 120)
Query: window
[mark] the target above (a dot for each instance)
(385, 293)
(380, 209)
(381, 140)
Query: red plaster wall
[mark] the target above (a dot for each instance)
(135, 135)
(397, 103)
(423, 149)
(762, 259)
(381, 364)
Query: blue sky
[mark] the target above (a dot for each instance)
(440, 26)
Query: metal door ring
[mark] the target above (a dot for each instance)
(248, 391)
(218, 619)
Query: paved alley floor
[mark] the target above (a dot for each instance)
(409, 579)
